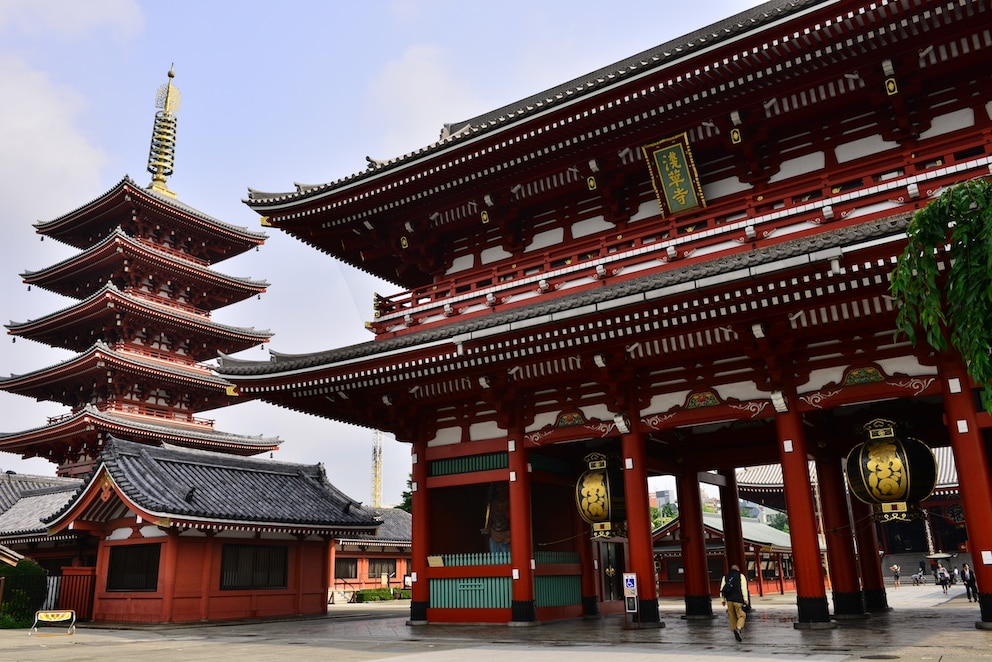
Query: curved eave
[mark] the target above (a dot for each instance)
(89, 421)
(109, 299)
(118, 246)
(101, 357)
(239, 239)
(103, 478)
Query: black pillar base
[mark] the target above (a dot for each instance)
(813, 614)
(698, 606)
(849, 605)
(985, 604)
(590, 606)
(647, 613)
(523, 612)
(876, 600)
(418, 613)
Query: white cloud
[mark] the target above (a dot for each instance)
(71, 18)
(408, 96)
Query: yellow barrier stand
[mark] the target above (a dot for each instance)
(54, 616)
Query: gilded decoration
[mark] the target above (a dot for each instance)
(568, 419)
(859, 376)
(702, 399)
(673, 175)
(892, 473)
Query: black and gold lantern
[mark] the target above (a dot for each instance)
(599, 496)
(893, 473)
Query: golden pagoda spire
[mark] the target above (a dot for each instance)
(163, 150)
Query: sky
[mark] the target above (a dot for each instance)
(272, 94)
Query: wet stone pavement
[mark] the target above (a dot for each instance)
(924, 624)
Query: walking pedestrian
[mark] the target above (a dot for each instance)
(943, 577)
(970, 583)
(733, 588)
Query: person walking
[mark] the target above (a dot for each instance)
(943, 577)
(970, 583)
(733, 588)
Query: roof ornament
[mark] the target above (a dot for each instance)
(161, 156)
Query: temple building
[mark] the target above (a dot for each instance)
(143, 294)
(676, 265)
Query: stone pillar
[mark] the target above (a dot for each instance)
(420, 506)
(974, 478)
(522, 608)
(849, 601)
(811, 593)
(635, 482)
(698, 601)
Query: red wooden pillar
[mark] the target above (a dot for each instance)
(635, 484)
(588, 584)
(696, 576)
(849, 601)
(974, 477)
(811, 594)
(420, 505)
(869, 560)
(522, 607)
(167, 580)
(733, 538)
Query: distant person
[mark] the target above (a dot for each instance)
(895, 573)
(733, 588)
(923, 566)
(970, 583)
(943, 577)
(955, 575)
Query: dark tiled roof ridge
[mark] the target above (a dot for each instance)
(119, 233)
(172, 202)
(110, 287)
(211, 435)
(839, 237)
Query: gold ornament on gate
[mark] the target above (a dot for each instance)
(893, 473)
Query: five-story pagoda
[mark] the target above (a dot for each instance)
(141, 321)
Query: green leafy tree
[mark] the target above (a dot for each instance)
(779, 521)
(656, 520)
(407, 496)
(954, 308)
(668, 512)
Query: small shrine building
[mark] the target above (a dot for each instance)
(675, 265)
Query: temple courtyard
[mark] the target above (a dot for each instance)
(924, 624)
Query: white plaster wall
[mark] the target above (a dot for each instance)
(857, 149)
(960, 119)
(799, 166)
(724, 187)
(590, 226)
(545, 239)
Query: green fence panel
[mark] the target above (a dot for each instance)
(557, 590)
(471, 593)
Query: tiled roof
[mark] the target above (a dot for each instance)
(28, 514)
(127, 182)
(189, 434)
(193, 487)
(396, 528)
(14, 485)
(798, 249)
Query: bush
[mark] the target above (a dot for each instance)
(24, 592)
(373, 595)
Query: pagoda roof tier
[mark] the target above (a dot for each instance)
(184, 488)
(74, 379)
(120, 258)
(160, 218)
(125, 314)
(84, 432)
(793, 74)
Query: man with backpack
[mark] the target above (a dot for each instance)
(733, 588)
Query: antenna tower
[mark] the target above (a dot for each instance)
(377, 469)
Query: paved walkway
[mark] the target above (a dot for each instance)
(923, 625)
